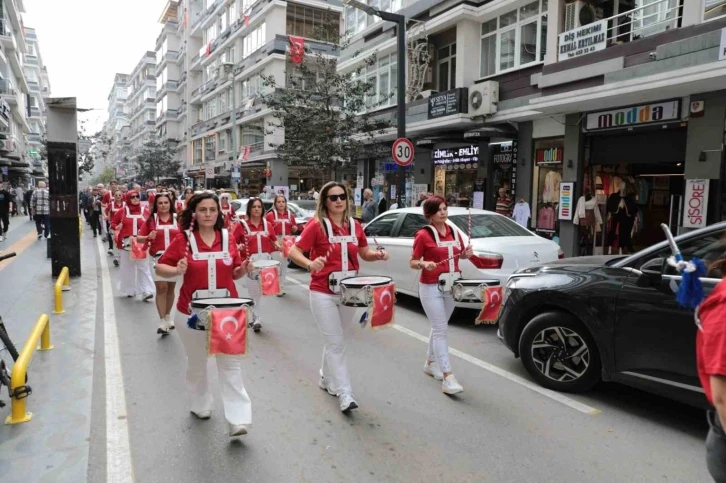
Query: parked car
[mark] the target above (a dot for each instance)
(583, 320)
(501, 245)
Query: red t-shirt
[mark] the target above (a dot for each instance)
(424, 245)
(106, 198)
(158, 244)
(195, 277)
(112, 208)
(127, 223)
(315, 240)
(286, 220)
(711, 340)
(228, 214)
(267, 241)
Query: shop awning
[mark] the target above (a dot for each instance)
(502, 131)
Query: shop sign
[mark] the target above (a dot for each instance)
(547, 157)
(235, 175)
(696, 203)
(448, 103)
(633, 116)
(462, 155)
(209, 173)
(566, 206)
(504, 153)
(722, 49)
(583, 40)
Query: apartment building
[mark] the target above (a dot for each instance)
(140, 110)
(528, 94)
(170, 79)
(39, 89)
(115, 128)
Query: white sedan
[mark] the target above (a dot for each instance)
(501, 246)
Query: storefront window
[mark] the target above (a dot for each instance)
(455, 173)
(548, 157)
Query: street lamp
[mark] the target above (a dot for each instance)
(400, 20)
(229, 70)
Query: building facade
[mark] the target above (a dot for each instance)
(116, 128)
(170, 51)
(140, 110)
(39, 90)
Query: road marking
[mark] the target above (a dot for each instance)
(118, 451)
(18, 247)
(555, 396)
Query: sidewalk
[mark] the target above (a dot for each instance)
(54, 445)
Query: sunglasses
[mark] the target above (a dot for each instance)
(133, 196)
(342, 197)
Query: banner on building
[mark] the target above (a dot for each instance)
(566, 207)
(695, 207)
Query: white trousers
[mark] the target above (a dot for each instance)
(236, 401)
(254, 289)
(438, 307)
(283, 268)
(135, 277)
(330, 317)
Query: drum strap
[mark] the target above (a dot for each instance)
(134, 219)
(283, 221)
(449, 245)
(342, 240)
(259, 234)
(165, 229)
(210, 257)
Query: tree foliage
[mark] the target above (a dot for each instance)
(323, 112)
(105, 177)
(155, 160)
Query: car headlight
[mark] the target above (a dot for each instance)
(512, 283)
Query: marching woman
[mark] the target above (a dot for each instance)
(257, 240)
(335, 241)
(436, 250)
(228, 213)
(158, 231)
(135, 276)
(203, 226)
(112, 207)
(285, 225)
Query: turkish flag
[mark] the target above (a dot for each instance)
(209, 49)
(246, 155)
(492, 303)
(383, 303)
(287, 243)
(297, 49)
(247, 19)
(138, 250)
(228, 331)
(270, 281)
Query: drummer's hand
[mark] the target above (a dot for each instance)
(381, 254)
(294, 228)
(239, 272)
(317, 265)
(468, 252)
(152, 235)
(428, 265)
(181, 266)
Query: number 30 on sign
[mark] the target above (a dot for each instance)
(402, 151)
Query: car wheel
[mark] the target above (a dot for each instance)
(559, 352)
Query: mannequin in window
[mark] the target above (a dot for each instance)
(622, 209)
(588, 217)
(522, 213)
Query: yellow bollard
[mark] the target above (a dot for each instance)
(62, 284)
(40, 332)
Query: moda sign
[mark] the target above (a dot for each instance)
(633, 116)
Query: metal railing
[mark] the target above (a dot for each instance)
(644, 21)
(63, 284)
(19, 390)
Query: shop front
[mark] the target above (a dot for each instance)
(459, 174)
(546, 179)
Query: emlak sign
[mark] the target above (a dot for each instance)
(633, 116)
(695, 207)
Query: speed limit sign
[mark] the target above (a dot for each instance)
(402, 151)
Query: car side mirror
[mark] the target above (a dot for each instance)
(652, 273)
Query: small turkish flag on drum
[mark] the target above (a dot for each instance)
(228, 331)
(270, 281)
(492, 303)
(383, 306)
(138, 250)
(287, 243)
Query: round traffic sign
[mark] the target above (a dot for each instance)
(402, 151)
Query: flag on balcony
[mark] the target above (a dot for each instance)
(246, 154)
(246, 18)
(209, 49)
(297, 49)
(186, 19)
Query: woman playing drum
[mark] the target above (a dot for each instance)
(335, 241)
(258, 241)
(158, 231)
(113, 206)
(213, 257)
(135, 276)
(436, 250)
(285, 225)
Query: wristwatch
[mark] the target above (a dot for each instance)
(309, 265)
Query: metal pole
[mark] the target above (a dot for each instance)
(235, 186)
(401, 104)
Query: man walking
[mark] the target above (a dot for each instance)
(6, 206)
(40, 204)
(369, 206)
(94, 210)
(26, 201)
(19, 195)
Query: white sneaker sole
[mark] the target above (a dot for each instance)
(429, 372)
(240, 431)
(324, 387)
(457, 390)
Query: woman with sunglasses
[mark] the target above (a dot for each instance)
(204, 235)
(158, 230)
(285, 225)
(257, 241)
(135, 276)
(335, 241)
(113, 207)
(436, 252)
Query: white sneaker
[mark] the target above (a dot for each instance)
(347, 402)
(163, 328)
(432, 369)
(110, 252)
(170, 322)
(256, 325)
(451, 385)
(323, 384)
(237, 430)
(203, 414)
(147, 296)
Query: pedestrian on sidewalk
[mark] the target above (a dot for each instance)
(335, 241)
(206, 236)
(370, 209)
(19, 195)
(157, 232)
(94, 210)
(112, 208)
(40, 204)
(257, 241)
(285, 226)
(26, 201)
(436, 250)
(135, 276)
(6, 206)
(85, 196)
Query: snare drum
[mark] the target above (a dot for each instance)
(200, 305)
(357, 291)
(126, 244)
(259, 265)
(471, 290)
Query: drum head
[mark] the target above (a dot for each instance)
(365, 281)
(221, 302)
(259, 264)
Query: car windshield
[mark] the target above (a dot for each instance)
(488, 226)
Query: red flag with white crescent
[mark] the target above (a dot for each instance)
(228, 331)
(297, 49)
(383, 304)
(246, 155)
(208, 52)
(287, 243)
(270, 281)
(492, 303)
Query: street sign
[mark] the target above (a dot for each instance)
(402, 151)
(210, 173)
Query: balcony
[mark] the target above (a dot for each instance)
(32, 60)
(35, 112)
(161, 61)
(168, 115)
(7, 36)
(167, 86)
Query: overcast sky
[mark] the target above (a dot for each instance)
(84, 43)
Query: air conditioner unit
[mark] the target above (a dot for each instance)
(483, 98)
(426, 94)
(581, 13)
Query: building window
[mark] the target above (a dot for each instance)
(357, 20)
(210, 148)
(210, 34)
(222, 141)
(251, 87)
(223, 102)
(197, 156)
(232, 12)
(161, 80)
(222, 23)
(514, 40)
(161, 52)
(252, 134)
(312, 23)
(254, 40)
(383, 77)
(447, 67)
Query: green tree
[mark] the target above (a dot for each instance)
(325, 114)
(156, 160)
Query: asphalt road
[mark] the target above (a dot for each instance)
(498, 430)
